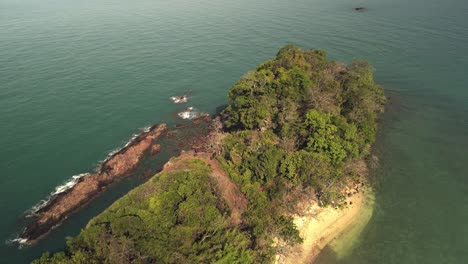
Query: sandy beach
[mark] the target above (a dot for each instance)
(318, 227)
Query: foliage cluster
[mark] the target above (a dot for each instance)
(173, 218)
(295, 124)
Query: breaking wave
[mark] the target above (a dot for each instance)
(179, 99)
(59, 189)
(115, 151)
(188, 114)
(74, 180)
(191, 113)
(21, 242)
(69, 184)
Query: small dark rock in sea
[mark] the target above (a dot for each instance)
(361, 9)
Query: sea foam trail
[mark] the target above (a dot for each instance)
(70, 183)
(79, 190)
(188, 114)
(191, 113)
(21, 242)
(58, 190)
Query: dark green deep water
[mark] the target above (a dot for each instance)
(77, 78)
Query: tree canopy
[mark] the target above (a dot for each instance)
(297, 124)
(173, 218)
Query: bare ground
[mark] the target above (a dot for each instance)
(235, 199)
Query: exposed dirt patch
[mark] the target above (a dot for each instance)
(235, 199)
(228, 189)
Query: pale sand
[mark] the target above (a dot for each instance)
(318, 227)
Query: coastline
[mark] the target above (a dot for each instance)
(118, 165)
(319, 226)
(255, 181)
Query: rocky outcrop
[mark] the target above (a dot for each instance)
(154, 149)
(119, 165)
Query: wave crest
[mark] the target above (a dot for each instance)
(58, 190)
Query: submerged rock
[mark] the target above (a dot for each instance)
(179, 99)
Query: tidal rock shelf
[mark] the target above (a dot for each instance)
(118, 165)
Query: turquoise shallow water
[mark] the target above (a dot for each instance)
(77, 78)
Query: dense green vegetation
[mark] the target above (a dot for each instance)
(173, 218)
(297, 125)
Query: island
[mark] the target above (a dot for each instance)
(295, 136)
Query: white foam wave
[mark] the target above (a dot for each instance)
(115, 151)
(69, 184)
(134, 136)
(189, 113)
(37, 207)
(59, 189)
(179, 99)
(74, 179)
(146, 129)
(18, 240)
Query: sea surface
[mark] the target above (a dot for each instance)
(78, 78)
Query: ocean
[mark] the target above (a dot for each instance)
(78, 78)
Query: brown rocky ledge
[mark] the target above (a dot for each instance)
(119, 165)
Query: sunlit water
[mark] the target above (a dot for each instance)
(78, 78)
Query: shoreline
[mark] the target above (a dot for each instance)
(318, 227)
(86, 188)
(119, 164)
